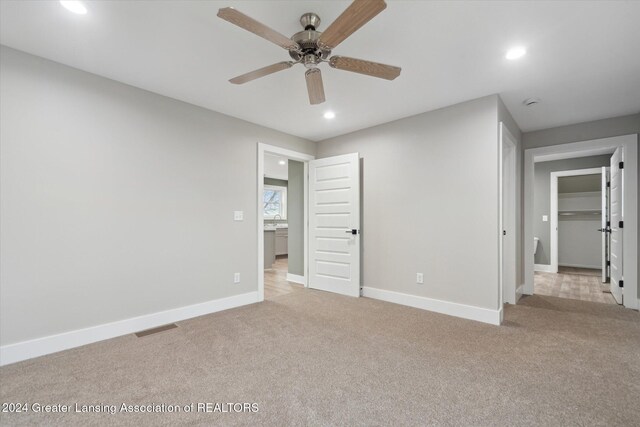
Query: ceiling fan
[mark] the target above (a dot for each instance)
(311, 47)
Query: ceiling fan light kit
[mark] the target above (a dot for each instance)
(310, 47)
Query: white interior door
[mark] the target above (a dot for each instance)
(604, 228)
(508, 218)
(334, 224)
(616, 214)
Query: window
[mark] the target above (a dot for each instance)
(275, 202)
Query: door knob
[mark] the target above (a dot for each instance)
(352, 231)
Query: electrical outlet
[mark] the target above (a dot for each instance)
(419, 278)
(238, 215)
(236, 278)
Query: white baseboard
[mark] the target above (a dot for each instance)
(519, 292)
(479, 314)
(542, 267)
(295, 278)
(12, 353)
(597, 267)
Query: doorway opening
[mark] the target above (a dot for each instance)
(574, 236)
(282, 218)
(316, 243)
(579, 245)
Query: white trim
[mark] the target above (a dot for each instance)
(485, 315)
(293, 155)
(595, 267)
(295, 278)
(51, 344)
(582, 149)
(553, 211)
(541, 267)
(519, 292)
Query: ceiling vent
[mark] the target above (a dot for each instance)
(531, 101)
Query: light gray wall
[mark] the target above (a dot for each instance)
(542, 198)
(117, 202)
(276, 182)
(605, 128)
(616, 126)
(505, 117)
(295, 217)
(430, 202)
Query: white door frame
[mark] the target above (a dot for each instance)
(583, 149)
(553, 211)
(293, 155)
(507, 292)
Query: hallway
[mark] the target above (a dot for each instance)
(275, 280)
(573, 283)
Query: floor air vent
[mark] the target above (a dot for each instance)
(156, 330)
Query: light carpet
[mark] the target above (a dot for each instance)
(315, 358)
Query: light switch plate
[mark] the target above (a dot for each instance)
(238, 215)
(545, 218)
(236, 278)
(419, 278)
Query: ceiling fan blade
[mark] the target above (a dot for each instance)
(355, 16)
(261, 72)
(369, 68)
(243, 21)
(315, 86)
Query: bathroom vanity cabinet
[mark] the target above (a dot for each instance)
(282, 235)
(275, 243)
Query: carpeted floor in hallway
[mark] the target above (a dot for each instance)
(315, 358)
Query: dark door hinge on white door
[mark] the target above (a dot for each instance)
(620, 224)
(621, 283)
(621, 165)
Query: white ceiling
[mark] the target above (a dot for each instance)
(273, 168)
(582, 59)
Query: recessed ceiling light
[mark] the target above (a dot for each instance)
(516, 52)
(74, 6)
(282, 162)
(329, 115)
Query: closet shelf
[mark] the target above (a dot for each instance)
(582, 213)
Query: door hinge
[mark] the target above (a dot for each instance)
(608, 263)
(621, 283)
(621, 165)
(608, 184)
(608, 223)
(620, 224)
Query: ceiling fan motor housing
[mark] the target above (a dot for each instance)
(308, 41)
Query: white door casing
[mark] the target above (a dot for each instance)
(334, 211)
(293, 155)
(616, 214)
(553, 208)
